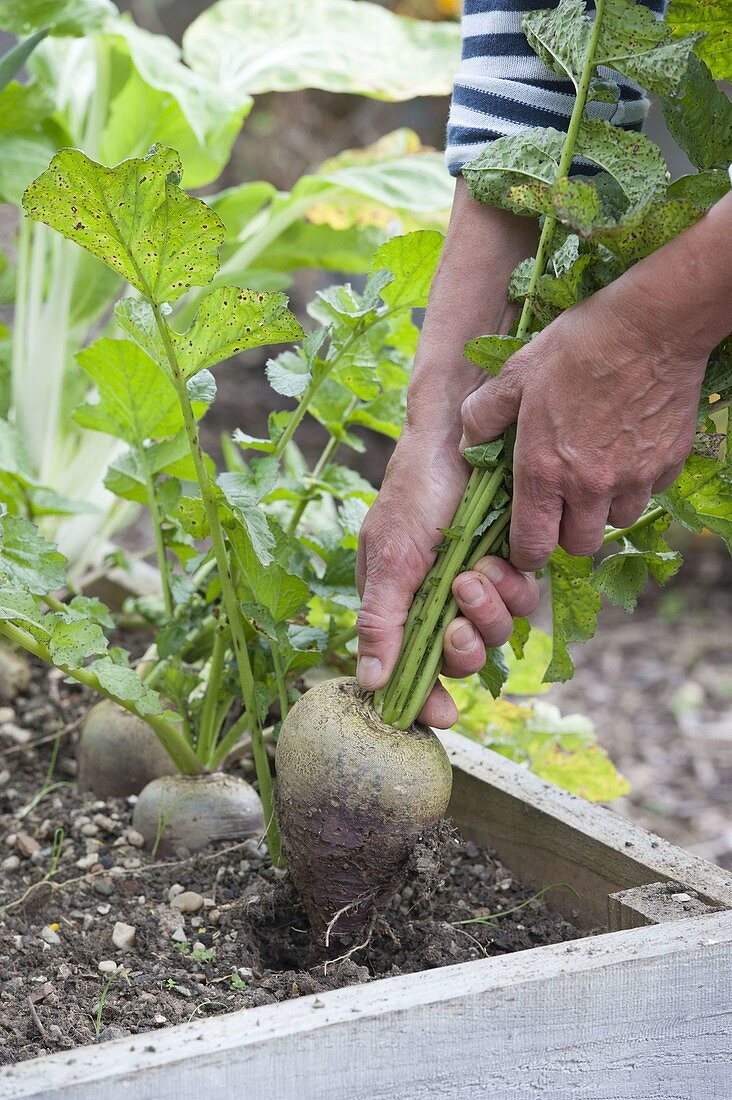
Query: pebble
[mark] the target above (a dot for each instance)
(102, 886)
(179, 936)
(158, 1018)
(183, 990)
(49, 936)
(7, 714)
(87, 862)
(12, 863)
(4, 777)
(107, 966)
(104, 908)
(131, 863)
(90, 829)
(174, 890)
(63, 971)
(187, 902)
(245, 973)
(133, 837)
(26, 844)
(10, 840)
(123, 935)
(15, 733)
(68, 766)
(198, 946)
(105, 822)
(214, 915)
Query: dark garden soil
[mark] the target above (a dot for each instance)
(242, 943)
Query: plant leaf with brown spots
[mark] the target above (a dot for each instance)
(229, 320)
(135, 217)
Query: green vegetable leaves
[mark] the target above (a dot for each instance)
(134, 217)
(714, 18)
(631, 41)
(27, 560)
(64, 17)
(229, 321)
(575, 607)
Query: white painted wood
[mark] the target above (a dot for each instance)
(638, 1015)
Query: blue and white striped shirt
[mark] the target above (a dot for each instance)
(503, 87)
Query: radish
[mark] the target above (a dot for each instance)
(354, 796)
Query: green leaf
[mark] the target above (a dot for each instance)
(73, 642)
(622, 576)
(229, 321)
(165, 101)
(714, 17)
(19, 607)
(529, 157)
(485, 455)
(586, 771)
(13, 61)
(64, 17)
(411, 260)
(637, 236)
(89, 607)
(242, 497)
(135, 217)
(702, 189)
(123, 683)
(494, 672)
(575, 607)
(27, 559)
(630, 158)
(259, 46)
(281, 593)
(632, 41)
(136, 402)
(701, 497)
(700, 118)
(491, 352)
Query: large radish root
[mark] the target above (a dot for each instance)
(186, 813)
(118, 753)
(14, 674)
(354, 796)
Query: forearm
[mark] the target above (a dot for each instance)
(682, 293)
(468, 299)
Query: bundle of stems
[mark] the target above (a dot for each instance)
(434, 606)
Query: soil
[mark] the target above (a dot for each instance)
(245, 945)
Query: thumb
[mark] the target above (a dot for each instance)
(384, 607)
(489, 410)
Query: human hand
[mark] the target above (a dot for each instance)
(605, 407)
(423, 486)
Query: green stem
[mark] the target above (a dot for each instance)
(172, 740)
(157, 522)
(207, 727)
(565, 164)
(228, 593)
(325, 458)
(281, 684)
(618, 533)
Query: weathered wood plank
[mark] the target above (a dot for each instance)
(547, 836)
(638, 1015)
(653, 904)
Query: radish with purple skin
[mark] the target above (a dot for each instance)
(354, 796)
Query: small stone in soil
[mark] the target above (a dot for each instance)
(133, 837)
(11, 863)
(26, 844)
(187, 902)
(102, 886)
(107, 966)
(123, 935)
(174, 890)
(179, 936)
(48, 935)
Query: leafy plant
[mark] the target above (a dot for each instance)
(101, 84)
(253, 594)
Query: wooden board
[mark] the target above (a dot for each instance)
(638, 1015)
(643, 1014)
(549, 836)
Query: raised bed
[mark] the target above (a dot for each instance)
(642, 1012)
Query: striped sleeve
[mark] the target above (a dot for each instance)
(503, 87)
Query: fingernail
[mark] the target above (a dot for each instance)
(492, 569)
(470, 591)
(368, 672)
(463, 639)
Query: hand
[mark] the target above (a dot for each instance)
(423, 486)
(606, 414)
